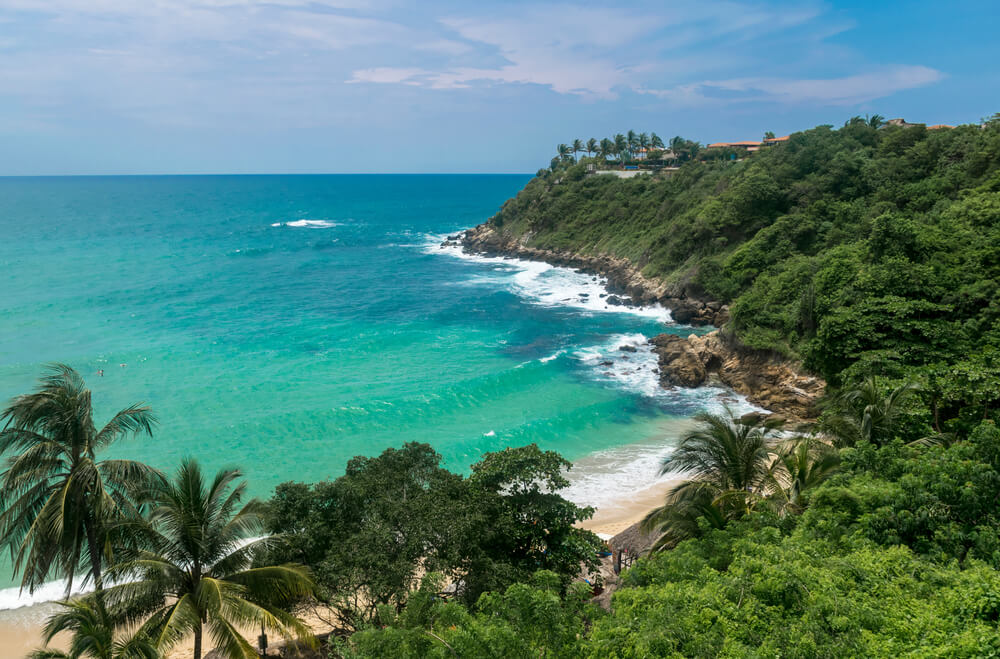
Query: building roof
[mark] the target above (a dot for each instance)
(939, 126)
(771, 140)
(744, 143)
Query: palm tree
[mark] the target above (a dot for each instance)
(195, 567)
(563, 151)
(591, 146)
(577, 148)
(655, 141)
(56, 498)
(876, 121)
(632, 141)
(769, 135)
(864, 413)
(621, 146)
(644, 142)
(726, 460)
(607, 148)
(91, 635)
(801, 463)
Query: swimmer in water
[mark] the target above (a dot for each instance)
(123, 365)
(100, 372)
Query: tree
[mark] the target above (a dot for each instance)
(655, 141)
(632, 143)
(769, 135)
(726, 460)
(406, 511)
(607, 148)
(57, 499)
(194, 567)
(563, 151)
(864, 413)
(801, 463)
(91, 635)
(591, 146)
(621, 146)
(876, 121)
(577, 147)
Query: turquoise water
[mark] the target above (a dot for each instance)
(287, 323)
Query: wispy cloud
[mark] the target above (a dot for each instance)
(847, 90)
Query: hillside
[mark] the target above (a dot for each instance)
(856, 250)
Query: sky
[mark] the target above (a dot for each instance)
(315, 86)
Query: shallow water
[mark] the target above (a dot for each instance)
(287, 323)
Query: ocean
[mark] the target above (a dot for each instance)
(285, 324)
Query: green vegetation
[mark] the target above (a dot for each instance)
(861, 251)
(371, 533)
(57, 500)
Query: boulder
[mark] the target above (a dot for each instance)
(679, 364)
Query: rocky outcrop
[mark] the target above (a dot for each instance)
(626, 283)
(775, 384)
(772, 383)
(679, 363)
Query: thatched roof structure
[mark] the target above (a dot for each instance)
(633, 541)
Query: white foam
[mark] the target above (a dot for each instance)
(546, 285)
(308, 224)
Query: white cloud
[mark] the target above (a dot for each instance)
(847, 90)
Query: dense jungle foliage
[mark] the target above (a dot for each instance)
(860, 250)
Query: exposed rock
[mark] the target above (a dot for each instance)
(628, 348)
(775, 384)
(766, 380)
(625, 282)
(679, 364)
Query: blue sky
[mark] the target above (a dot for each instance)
(215, 86)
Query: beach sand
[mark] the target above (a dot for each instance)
(621, 514)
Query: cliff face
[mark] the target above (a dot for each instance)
(774, 384)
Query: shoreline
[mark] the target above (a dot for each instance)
(774, 383)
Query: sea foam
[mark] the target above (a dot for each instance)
(544, 284)
(307, 224)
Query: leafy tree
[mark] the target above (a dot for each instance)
(57, 498)
(577, 147)
(369, 534)
(865, 413)
(91, 635)
(607, 148)
(194, 567)
(769, 135)
(563, 151)
(655, 141)
(592, 147)
(521, 524)
(528, 619)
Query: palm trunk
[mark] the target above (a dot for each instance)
(197, 642)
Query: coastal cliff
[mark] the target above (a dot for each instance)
(776, 384)
(624, 278)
